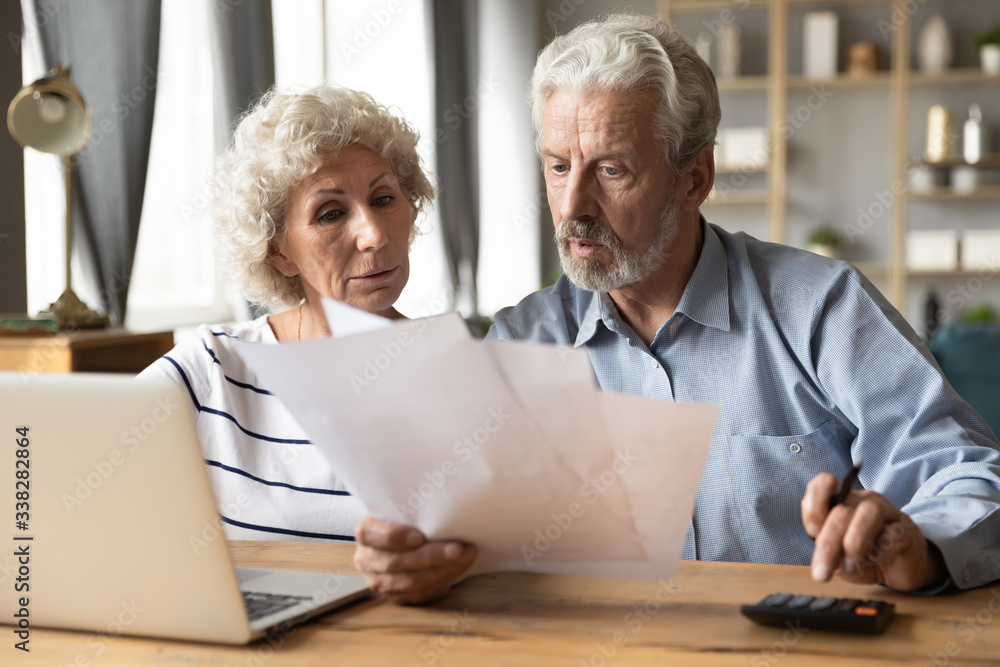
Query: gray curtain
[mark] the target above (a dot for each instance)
(13, 263)
(112, 48)
(243, 58)
(456, 72)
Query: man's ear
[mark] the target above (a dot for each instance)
(698, 180)
(280, 260)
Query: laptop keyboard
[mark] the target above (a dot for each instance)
(259, 605)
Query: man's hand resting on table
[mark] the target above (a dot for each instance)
(866, 540)
(400, 564)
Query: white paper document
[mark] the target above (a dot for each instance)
(510, 446)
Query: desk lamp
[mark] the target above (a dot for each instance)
(50, 116)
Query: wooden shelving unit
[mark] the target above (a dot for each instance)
(872, 270)
(711, 5)
(876, 79)
(943, 273)
(760, 197)
(948, 194)
(742, 83)
(899, 81)
(749, 169)
(966, 75)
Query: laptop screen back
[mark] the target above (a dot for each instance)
(119, 532)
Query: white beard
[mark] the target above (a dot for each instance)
(626, 267)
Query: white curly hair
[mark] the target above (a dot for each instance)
(629, 52)
(281, 140)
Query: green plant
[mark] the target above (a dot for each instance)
(991, 36)
(981, 314)
(825, 234)
(479, 325)
(553, 277)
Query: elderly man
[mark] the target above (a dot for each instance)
(814, 371)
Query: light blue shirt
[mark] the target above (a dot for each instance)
(813, 371)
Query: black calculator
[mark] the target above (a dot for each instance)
(821, 613)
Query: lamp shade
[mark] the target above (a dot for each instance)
(50, 115)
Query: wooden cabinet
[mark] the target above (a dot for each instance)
(840, 148)
(102, 351)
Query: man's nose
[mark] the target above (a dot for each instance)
(578, 198)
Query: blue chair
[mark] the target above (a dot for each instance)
(969, 356)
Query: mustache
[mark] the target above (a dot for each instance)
(587, 229)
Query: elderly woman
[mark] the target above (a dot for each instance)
(316, 198)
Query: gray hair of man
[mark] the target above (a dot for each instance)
(625, 53)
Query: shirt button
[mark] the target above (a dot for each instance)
(967, 575)
(655, 364)
(794, 448)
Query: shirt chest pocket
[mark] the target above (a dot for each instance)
(769, 474)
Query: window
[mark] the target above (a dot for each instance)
(174, 280)
(174, 276)
(44, 202)
(380, 47)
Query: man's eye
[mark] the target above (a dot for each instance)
(559, 168)
(383, 201)
(611, 171)
(331, 215)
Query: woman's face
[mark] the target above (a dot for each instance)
(347, 232)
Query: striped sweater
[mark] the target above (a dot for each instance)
(270, 482)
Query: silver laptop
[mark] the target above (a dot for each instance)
(111, 525)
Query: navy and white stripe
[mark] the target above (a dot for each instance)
(270, 482)
(813, 370)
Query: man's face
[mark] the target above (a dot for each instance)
(609, 188)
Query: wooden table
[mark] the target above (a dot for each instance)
(94, 350)
(526, 619)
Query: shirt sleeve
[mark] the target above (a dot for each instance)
(494, 333)
(186, 366)
(923, 447)
(161, 369)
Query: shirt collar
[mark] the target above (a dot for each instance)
(601, 309)
(594, 313)
(705, 299)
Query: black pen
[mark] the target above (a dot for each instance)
(846, 486)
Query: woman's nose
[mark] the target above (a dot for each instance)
(371, 231)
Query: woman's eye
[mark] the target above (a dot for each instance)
(559, 168)
(384, 200)
(331, 215)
